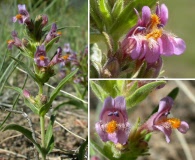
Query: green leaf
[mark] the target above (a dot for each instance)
(49, 138)
(54, 93)
(117, 9)
(27, 69)
(105, 12)
(83, 150)
(27, 133)
(50, 44)
(99, 91)
(94, 15)
(26, 101)
(77, 104)
(110, 87)
(141, 93)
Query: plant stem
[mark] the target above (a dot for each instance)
(42, 123)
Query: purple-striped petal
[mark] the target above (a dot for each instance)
(146, 15)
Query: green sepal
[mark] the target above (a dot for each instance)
(50, 43)
(54, 93)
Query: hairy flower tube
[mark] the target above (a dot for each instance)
(52, 33)
(23, 16)
(42, 60)
(113, 124)
(15, 41)
(148, 40)
(160, 121)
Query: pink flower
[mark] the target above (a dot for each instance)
(52, 33)
(148, 40)
(15, 41)
(42, 60)
(113, 125)
(159, 121)
(23, 16)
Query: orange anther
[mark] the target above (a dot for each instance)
(111, 126)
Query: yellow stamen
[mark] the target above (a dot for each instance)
(155, 34)
(155, 20)
(42, 58)
(65, 57)
(19, 16)
(59, 33)
(111, 126)
(175, 123)
(10, 41)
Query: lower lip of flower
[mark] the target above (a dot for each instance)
(155, 34)
(65, 57)
(111, 126)
(170, 122)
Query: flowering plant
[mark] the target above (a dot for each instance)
(139, 53)
(38, 40)
(116, 137)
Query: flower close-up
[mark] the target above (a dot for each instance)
(15, 41)
(148, 39)
(160, 121)
(23, 16)
(113, 124)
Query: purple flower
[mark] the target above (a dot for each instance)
(23, 16)
(44, 20)
(113, 125)
(52, 33)
(15, 41)
(160, 122)
(43, 61)
(40, 57)
(148, 40)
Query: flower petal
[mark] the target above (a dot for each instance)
(108, 104)
(146, 15)
(120, 104)
(153, 53)
(165, 105)
(164, 14)
(167, 45)
(184, 127)
(179, 46)
(167, 131)
(103, 135)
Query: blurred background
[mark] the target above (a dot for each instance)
(182, 146)
(181, 23)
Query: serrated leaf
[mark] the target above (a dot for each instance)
(99, 91)
(27, 69)
(83, 150)
(54, 93)
(27, 133)
(141, 93)
(27, 103)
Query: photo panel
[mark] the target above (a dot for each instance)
(141, 119)
(141, 39)
(44, 79)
